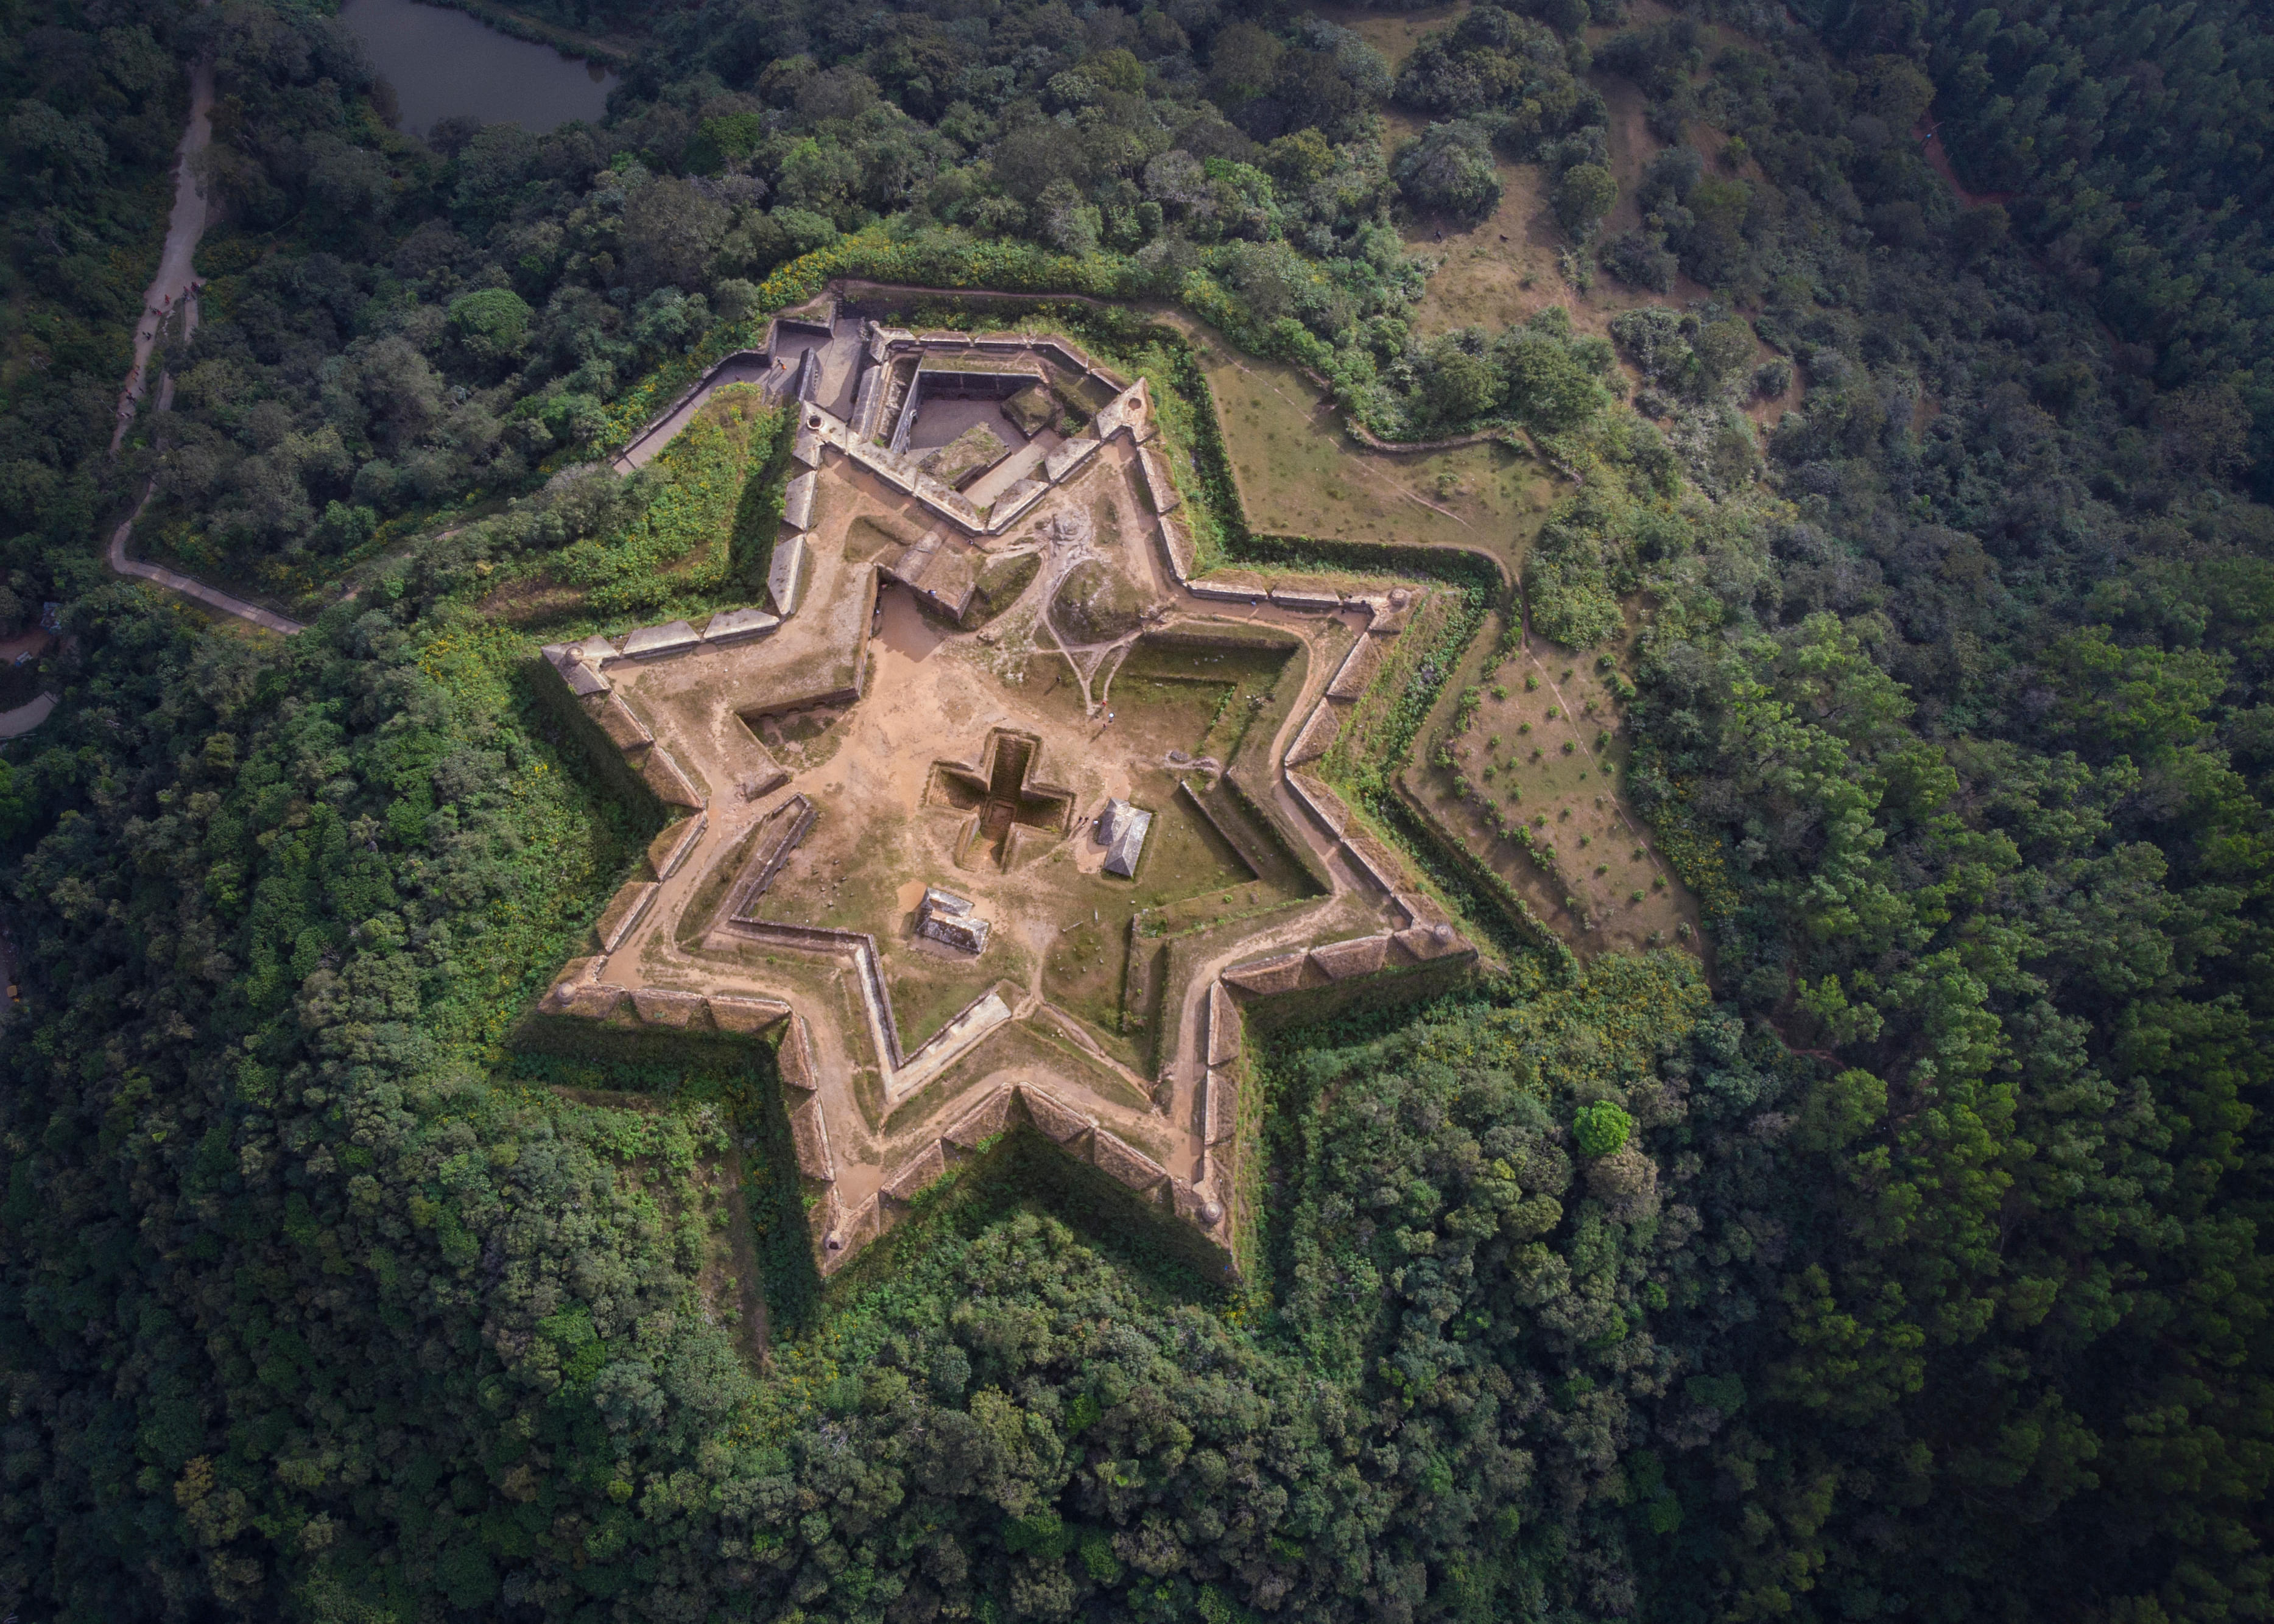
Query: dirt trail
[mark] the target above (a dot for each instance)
(1930, 139)
(15, 724)
(173, 296)
(174, 290)
(174, 581)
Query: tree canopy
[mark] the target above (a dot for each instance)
(1896, 1253)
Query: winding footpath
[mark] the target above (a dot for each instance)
(173, 294)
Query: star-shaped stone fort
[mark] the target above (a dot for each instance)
(993, 816)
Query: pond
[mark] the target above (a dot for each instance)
(443, 63)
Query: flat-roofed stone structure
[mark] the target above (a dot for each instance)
(948, 920)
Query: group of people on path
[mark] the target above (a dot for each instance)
(153, 319)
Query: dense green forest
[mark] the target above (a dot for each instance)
(1906, 1265)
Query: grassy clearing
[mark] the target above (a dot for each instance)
(1526, 773)
(1394, 34)
(1000, 585)
(704, 536)
(1086, 967)
(1300, 474)
(929, 989)
(1203, 700)
(1497, 272)
(1187, 862)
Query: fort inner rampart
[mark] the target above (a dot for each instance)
(834, 760)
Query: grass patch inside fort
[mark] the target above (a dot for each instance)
(693, 529)
(1185, 696)
(1001, 582)
(1301, 474)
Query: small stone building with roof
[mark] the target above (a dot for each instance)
(1121, 829)
(948, 918)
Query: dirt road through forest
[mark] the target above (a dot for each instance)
(173, 294)
(174, 289)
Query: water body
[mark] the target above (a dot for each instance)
(443, 63)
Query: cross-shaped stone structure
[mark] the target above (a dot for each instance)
(1004, 796)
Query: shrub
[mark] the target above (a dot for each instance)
(1578, 566)
(1552, 382)
(1450, 168)
(1601, 1130)
(1566, 17)
(492, 325)
(1641, 260)
(1457, 386)
(1723, 348)
(1584, 196)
